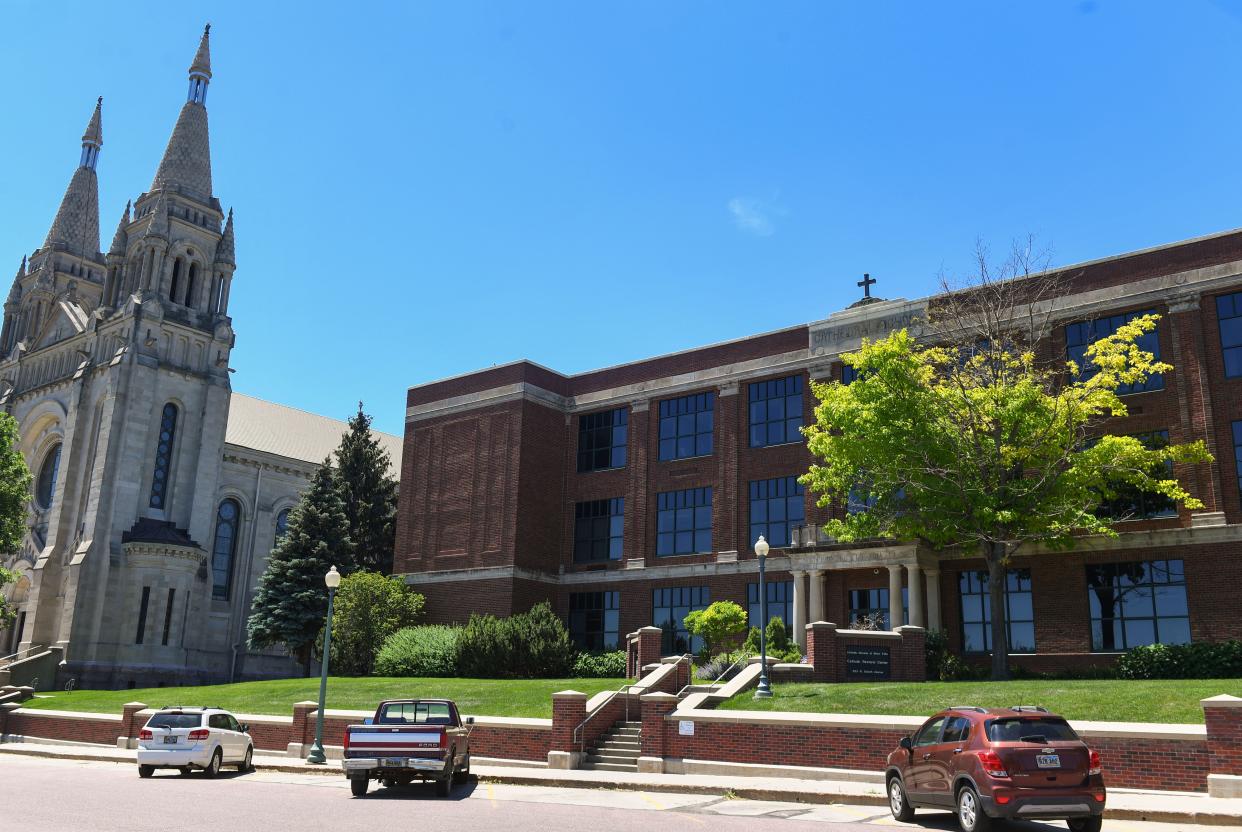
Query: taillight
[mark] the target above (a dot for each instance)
(1094, 766)
(346, 744)
(198, 734)
(1001, 798)
(443, 738)
(992, 764)
(145, 734)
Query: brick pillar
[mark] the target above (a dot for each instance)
(821, 651)
(635, 532)
(131, 724)
(1223, 715)
(631, 656)
(6, 709)
(654, 735)
(650, 640)
(303, 729)
(911, 664)
(568, 711)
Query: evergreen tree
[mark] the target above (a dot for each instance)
(292, 601)
(369, 494)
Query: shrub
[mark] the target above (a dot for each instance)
(712, 670)
(1182, 661)
(530, 645)
(419, 651)
(607, 665)
(483, 650)
(369, 608)
(780, 646)
(716, 624)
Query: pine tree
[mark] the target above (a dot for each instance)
(369, 494)
(292, 602)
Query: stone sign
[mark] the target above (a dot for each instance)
(844, 331)
(868, 664)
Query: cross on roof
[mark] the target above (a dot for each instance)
(866, 283)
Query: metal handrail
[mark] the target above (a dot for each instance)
(14, 657)
(724, 673)
(580, 735)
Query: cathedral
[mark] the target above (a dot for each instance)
(158, 492)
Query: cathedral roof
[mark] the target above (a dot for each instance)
(77, 221)
(285, 431)
(94, 130)
(187, 159)
(202, 58)
(121, 239)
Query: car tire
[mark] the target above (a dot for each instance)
(1085, 824)
(184, 770)
(970, 814)
(146, 771)
(463, 773)
(247, 763)
(444, 786)
(898, 802)
(358, 786)
(213, 767)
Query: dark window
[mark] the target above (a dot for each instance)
(602, 439)
(1133, 504)
(227, 521)
(929, 734)
(45, 483)
(957, 729)
(163, 456)
(686, 426)
(1237, 452)
(977, 611)
(776, 506)
(595, 620)
(598, 527)
(849, 374)
(684, 522)
(1229, 318)
(670, 607)
(1042, 730)
(776, 411)
(780, 603)
(872, 605)
(142, 614)
(282, 525)
(175, 720)
(1139, 603)
(168, 612)
(219, 721)
(1079, 335)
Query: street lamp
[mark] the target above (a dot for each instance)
(764, 691)
(332, 580)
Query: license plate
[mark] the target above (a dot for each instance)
(170, 740)
(392, 762)
(1048, 760)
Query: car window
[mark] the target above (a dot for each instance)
(1038, 730)
(218, 721)
(234, 725)
(929, 734)
(416, 713)
(175, 721)
(956, 729)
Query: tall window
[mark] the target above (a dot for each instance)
(1138, 603)
(776, 506)
(684, 522)
(142, 615)
(670, 606)
(163, 456)
(168, 613)
(686, 426)
(598, 527)
(977, 611)
(595, 620)
(1229, 319)
(775, 411)
(849, 374)
(178, 265)
(45, 483)
(1078, 336)
(282, 525)
(1134, 504)
(602, 440)
(225, 546)
(1237, 452)
(871, 605)
(780, 603)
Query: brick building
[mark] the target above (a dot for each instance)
(630, 495)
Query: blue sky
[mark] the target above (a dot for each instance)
(426, 189)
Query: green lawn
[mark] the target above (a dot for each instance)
(1110, 701)
(489, 697)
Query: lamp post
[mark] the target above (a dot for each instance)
(332, 580)
(764, 691)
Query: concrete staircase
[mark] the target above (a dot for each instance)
(617, 749)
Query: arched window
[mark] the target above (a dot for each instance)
(45, 484)
(227, 521)
(176, 279)
(282, 525)
(163, 457)
(191, 285)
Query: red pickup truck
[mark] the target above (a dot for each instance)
(409, 739)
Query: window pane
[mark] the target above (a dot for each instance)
(602, 439)
(775, 411)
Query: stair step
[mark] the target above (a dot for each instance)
(614, 753)
(619, 744)
(637, 723)
(625, 732)
(605, 757)
(610, 767)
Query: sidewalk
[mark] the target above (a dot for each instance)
(1123, 804)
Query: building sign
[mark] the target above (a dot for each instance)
(867, 664)
(685, 727)
(844, 331)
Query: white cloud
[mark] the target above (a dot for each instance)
(754, 216)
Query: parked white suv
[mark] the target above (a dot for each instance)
(186, 738)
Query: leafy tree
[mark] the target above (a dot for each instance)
(369, 494)
(971, 441)
(369, 608)
(720, 621)
(7, 614)
(14, 495)
(291, 603)
(542, 648)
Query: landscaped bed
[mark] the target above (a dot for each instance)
(490, 697)
(1108, 701)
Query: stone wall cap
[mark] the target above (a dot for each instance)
(69, 714)
(821, 625)
(877, 635)
(658, 697)
(913, 628)
(648, 629)
(523, 722)
(569, 694)
(305, 704)
(10, 706)
(138, 705)
(1223, 700)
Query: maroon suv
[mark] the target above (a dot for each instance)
(1017, 763)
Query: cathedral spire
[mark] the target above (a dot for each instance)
(224, 248)
(76, 226)
(186, 164)
(120, 240)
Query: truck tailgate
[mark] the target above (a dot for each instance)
(394, 740)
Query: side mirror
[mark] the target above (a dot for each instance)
(907, 743)
(368, 721)
(470, 720)
(245, 726)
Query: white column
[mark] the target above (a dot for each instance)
(799, 609)
(933, 599)
(916, 595)
(817, 596)
(895, 617)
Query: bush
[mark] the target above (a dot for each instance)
(483, 650)
(1182, 661)
(530, 645)
(369, 608)
(710, 671)
(715, 625)
(419, 651)
(608, 665)
(779, 643)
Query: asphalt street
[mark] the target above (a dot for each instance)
(47, 795)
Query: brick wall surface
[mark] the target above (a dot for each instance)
(1224, 728)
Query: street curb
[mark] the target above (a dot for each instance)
(737, 791)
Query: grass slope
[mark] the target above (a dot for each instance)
(1109, 701)
(489, 697)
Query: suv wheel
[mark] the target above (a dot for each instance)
(213, 768)
(970, 814)
(1085, 824)
(898, 803)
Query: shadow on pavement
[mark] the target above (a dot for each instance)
(419, 791)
